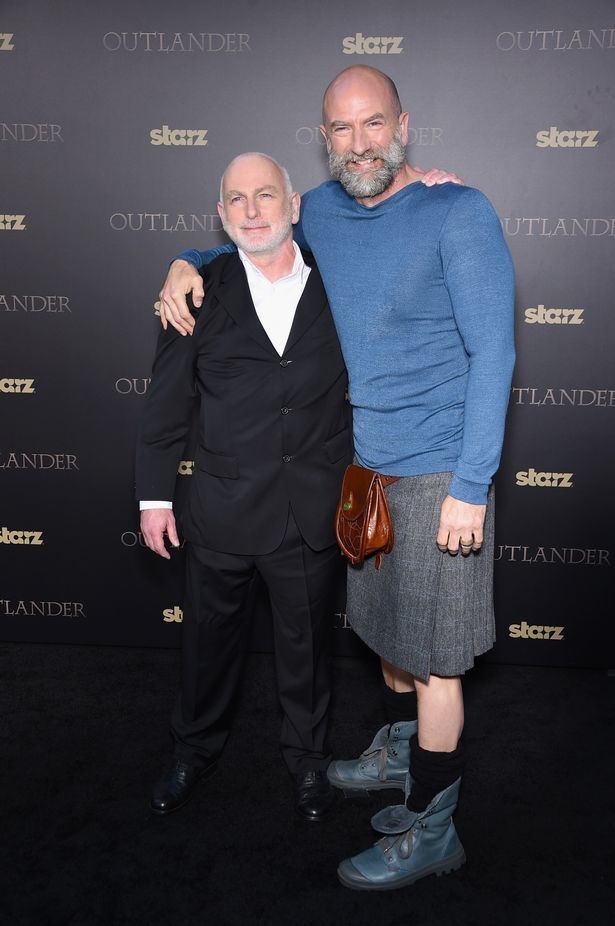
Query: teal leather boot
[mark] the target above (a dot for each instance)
(384, 764)
(430, 846)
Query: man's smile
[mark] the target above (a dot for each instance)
(364, 163)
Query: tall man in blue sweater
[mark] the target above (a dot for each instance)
(420, 285)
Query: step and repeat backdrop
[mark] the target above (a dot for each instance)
(116, 122)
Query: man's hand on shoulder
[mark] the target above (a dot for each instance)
(435, 176)
(182, 278)
(155, 523)
(461, 527)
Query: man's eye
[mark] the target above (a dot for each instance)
(339, 129)
(235, 200)
(376, 123)
(266, 196)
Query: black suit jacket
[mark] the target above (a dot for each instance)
(273, 431)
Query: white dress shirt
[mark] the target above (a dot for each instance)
(275, 304)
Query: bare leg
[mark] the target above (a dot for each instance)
(397, 679)
(440, 710)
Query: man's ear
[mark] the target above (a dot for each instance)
(220, 209)
(295, 206)
(323, 132)
(403, 127)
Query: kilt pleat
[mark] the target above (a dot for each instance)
(425, 611)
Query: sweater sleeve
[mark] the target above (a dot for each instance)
(201, 258)
(479, 276)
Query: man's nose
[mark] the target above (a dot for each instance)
(251, 207)
(360, 142)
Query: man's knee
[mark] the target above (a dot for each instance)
(395, 678)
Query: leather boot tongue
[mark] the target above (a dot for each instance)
(394, 819)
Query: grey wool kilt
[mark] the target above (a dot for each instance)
(425, 611)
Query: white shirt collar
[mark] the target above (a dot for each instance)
(299, 272)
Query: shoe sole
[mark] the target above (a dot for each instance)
(366, 786)
(445, 867)
(312, 819)
(206, 774)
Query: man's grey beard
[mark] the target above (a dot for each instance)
(363, 186)
(280, 232)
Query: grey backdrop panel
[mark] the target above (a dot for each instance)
(517, 99)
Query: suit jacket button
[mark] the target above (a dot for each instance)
(284, 363)
(287, 458)
(285, 410)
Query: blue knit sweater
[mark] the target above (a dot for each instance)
(421, 290)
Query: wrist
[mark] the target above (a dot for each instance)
(475, 493)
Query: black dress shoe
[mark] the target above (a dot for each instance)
(177, 786)
(314, 796)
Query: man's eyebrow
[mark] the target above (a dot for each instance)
(260, 189)
(339, 122)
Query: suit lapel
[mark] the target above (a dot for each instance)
(313, 301)
(233, 293)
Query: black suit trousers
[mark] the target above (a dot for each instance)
(300, 582)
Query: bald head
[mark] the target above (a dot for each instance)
(358, 81)
(255, 161)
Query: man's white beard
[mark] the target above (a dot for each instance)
(363, 186)
(273, 236)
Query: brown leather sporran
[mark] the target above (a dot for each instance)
(363, 523)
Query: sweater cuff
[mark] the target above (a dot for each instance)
(192, 256)
(475, 493)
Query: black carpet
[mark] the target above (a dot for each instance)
(84, 737)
